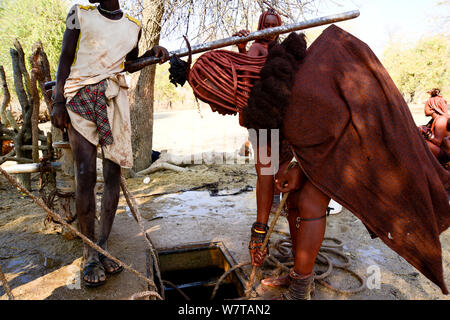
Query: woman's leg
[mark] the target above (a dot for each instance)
(293, 213)
(310, 227)
(310, 230)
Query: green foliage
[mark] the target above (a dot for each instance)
(169, 97)
(164, 89)
(417, 68)
(31, 21)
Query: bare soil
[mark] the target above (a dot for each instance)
(40, 263)
(180, 208)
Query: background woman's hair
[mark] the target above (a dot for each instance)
(435, 92)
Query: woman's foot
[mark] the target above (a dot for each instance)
(300, 288)
(279, 282)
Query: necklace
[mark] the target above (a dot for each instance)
(109, 12)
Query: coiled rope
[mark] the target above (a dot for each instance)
(283, 246)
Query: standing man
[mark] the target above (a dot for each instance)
(91, 104)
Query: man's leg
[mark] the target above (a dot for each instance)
(85, 156)
(111, 175)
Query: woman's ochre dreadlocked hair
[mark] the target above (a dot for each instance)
(263, 16)
(271, 94)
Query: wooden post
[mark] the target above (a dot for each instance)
(42, 64)
(36, 102)
(6, 97)
(23, 89)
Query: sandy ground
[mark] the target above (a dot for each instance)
(40, 263)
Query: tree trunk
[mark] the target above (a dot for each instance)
(142, 88)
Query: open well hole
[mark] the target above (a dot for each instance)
(195, 270)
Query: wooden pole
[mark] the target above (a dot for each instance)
(35, 105)
(22, 86)
(266, 241)
(6, 97)
(139, 63)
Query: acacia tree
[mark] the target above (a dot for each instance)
(142, 84)
(200, 20)
(419, 67)
(31, 21)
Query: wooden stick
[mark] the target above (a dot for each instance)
(266, 241)
(5, 284)
(6, 96)
(86, 240)
(134, 208)
(160, 166)
(146, 61)
(35, 105)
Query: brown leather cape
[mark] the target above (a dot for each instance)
(355, 139)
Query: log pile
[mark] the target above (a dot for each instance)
(23, 143)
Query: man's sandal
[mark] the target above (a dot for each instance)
(91, 266)
(102, 258)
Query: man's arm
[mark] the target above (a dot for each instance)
(60, 117)
(156, 51)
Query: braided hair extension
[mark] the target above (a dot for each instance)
(270, 95)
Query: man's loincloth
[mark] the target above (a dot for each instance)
(90, 103)
(100, 113)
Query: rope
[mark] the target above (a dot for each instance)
(55, 216)
(281, 245)
(131, 201)
(266, 240)
(219, 78)
(323, 257)
(240, 265)
(176, 288)
(145, 294)
(5, 284)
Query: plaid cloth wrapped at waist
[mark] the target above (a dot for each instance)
(90, 103)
